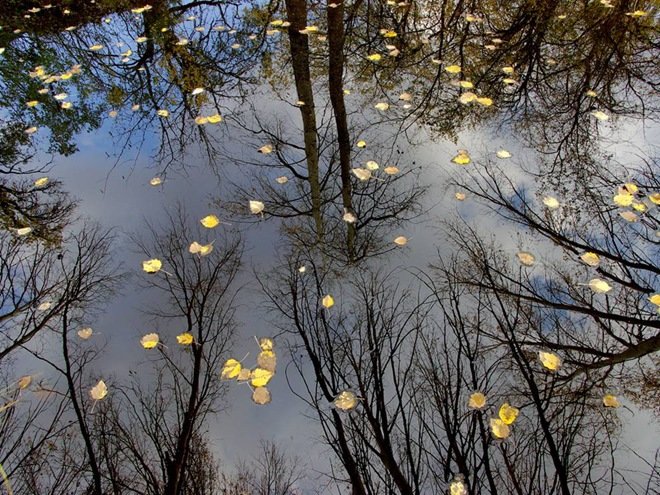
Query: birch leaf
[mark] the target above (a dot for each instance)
(210, 221)
(477, 401)
(231, 369)
(508, 414)
(328, 301)
(549, 360)
(99, 391)
(185, 338)
(152, 265)
(85, 333)
(256, 207)
(346, 400)
(260, 377)
(599, 286)
(150, 340)
(261, 396)
(499, 428)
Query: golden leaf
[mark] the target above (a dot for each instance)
(591, 259)
(401, 241)
(508, 414)
(477, 401)
(328, 301)
(346, 400)
(267, 360)
(231, 369)
(549, 360)
(525, 258)
(260, 377)
(85, 333)
(210, 221)
(99, 391)
(185, 338)
(463, 158)
(152, 265)
(599, 286)
(499, 428)
(261, 396)
(610, 400)
(150, 340)
(256, 207)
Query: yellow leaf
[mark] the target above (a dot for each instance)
(328, 301)
(382, 106)
(508, 70)
(256, 207)
(391, 170)
(466, 84)
(508, 414)
(388, 33)
(623, 199)
(260, 377)
(467, 97)
(201, 249)
(551, 202)
(265, 149)
(361, 144)
(99, 391)
(405, 97)
(610, 400)
(24, 382)
(655, 198)
(231, 369)
(150, 340)
(371, 165)
(152, 266)
(591, 259)
(525, 258)
(96, 48)
(629, 216)
(282, 180)
(163, 113)
(185, 338)
(362, 173)
(485, 101)
(549, 360)
(637, 13)
(499, 428)
(42, 181)
(457, 487)
(600, 115)
(453, 69)
(346, 400)
(266, 344)
(210, 221)
(401, 241)
(503, 154)
(599, 286)
(85, 333)
(460, 196)
(215, 118)
(374, 57)
(477, 401)
(156, 181)
(655, 299)
(32, 103)
(463, 158)
(200, 120)
(267, 360)
(261, 396)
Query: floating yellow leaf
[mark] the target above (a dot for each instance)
(266, 344)
(152, 265)
(374, 57)
(99, 391)
(382, 106)
(549, 360)
(453, 69)
(466, 84)
(623, 199)
(499, 428)
(508, 70)
(467, 97)
(371, 165)
(629, 216)
(96, 48)
(210, 221)
(503, 154)
(85, 333)
(32, 103)
(150, 340)
(260, 377)
(485, 101)
(591, 259)
(610, 400)
(362, 173)
(551, 202)
(457, 487)
(401, 241)
(361, 144)
(201, 249)
(24, 382)
(256, 207)
(197, 91)
(640, 207)
(185, 338)
(591, 93)
(267, 360)
(265, 149)
(463, 158)
(508, 414)
(405, 97)
(261, 396)
(31, 130)
(42, 181)
(45, 306)
(599, 286)
(328, 301)
(200, 120)
(600, 115)
(388, 33)
(282, 180)
(163, 113)
(392, 170)
(215, 118)
(231, 369)
(526, 258)
(346, 400)
(477, 401)
(655, 299)
(460, 196)
(156, 181)
(637, 13)
(655, 198)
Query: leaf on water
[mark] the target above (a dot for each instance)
(266, 344)
(346, 400)
(261, 396)
(551, 202)
(260, 377)
(466, 84)
(503, 154)
(362, 173)
(610, 400)
(41, 182)
(654, 198)
(600, 115)
(549, 360)
(526, 258)
(599, 286)
(163, 113)
(282, 180)
(477, 401)
(185, 338)
(508, 414)
(201, 249)
(655, 299)
(623, 199)
(391, 170)
(267, 360)
(231, 369)
(499, 428)
(401, 241)
(256, 207)
(265, 149)
(361, 144)
(85, 333)
(463, 158)
(150, 340)
(210, 221)
(24, 382)
(328, 301)
(382, 106)
(374, 57)
(591, 259)
(453, 69)
(156, 181)
(405, 97)
(152, 265)
(214, 119)
(629, 216)
(45, 306)
(96, 48)
(485, 101)
(371, 165)
(197, 91)
(467, 97)
(349, 217)
(460, 196)
(99, 391)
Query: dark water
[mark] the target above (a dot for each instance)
(365, 248)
